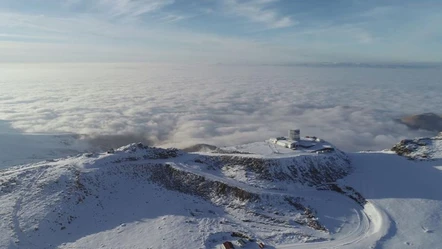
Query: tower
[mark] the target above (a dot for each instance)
(294, 135)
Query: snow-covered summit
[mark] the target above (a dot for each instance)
(70, 202)
(139, 196)
(271, 148)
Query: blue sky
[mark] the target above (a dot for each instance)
(221, 31)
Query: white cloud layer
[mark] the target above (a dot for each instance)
(179, 106)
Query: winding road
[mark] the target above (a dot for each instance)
(373, 224)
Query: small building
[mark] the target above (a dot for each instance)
(227, 245)
(293, 141)
(287, 144)
(241, 242)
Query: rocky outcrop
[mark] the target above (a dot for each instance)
(420, 148)
(345, 190)
(310, 170)
(200, 148)
(425, 121)
(190, 183)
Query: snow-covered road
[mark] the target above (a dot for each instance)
(370, 225)
(407, 194)
(404, 206)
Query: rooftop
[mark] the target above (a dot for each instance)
(269, 149)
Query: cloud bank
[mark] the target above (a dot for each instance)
(171, 105)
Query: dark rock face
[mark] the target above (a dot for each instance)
(406, 147)
(345, 190)
(419, 148)
(200, 147)
(308, 170)
(224, 194)
(190, 183)
(425, 121)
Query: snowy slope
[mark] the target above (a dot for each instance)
(408, 192)
(85, 200)
(144, 197)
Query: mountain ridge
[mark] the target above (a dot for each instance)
(141, 195)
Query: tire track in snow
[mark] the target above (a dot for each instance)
(373, 224)
(20, 236)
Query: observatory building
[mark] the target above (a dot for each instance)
(291, 142)
(295, 135)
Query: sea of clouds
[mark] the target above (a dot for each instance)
(182, 105)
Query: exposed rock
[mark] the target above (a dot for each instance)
(200, 148)
(425, 121)
(189, 183)
(309, 170)
(420, 148)
(345, 190)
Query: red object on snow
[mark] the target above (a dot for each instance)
(227, 245)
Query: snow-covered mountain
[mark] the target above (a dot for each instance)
(144, 197)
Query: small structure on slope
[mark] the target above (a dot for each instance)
(241, 242)
(305, 144)
(287, 143)
(227, 245)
